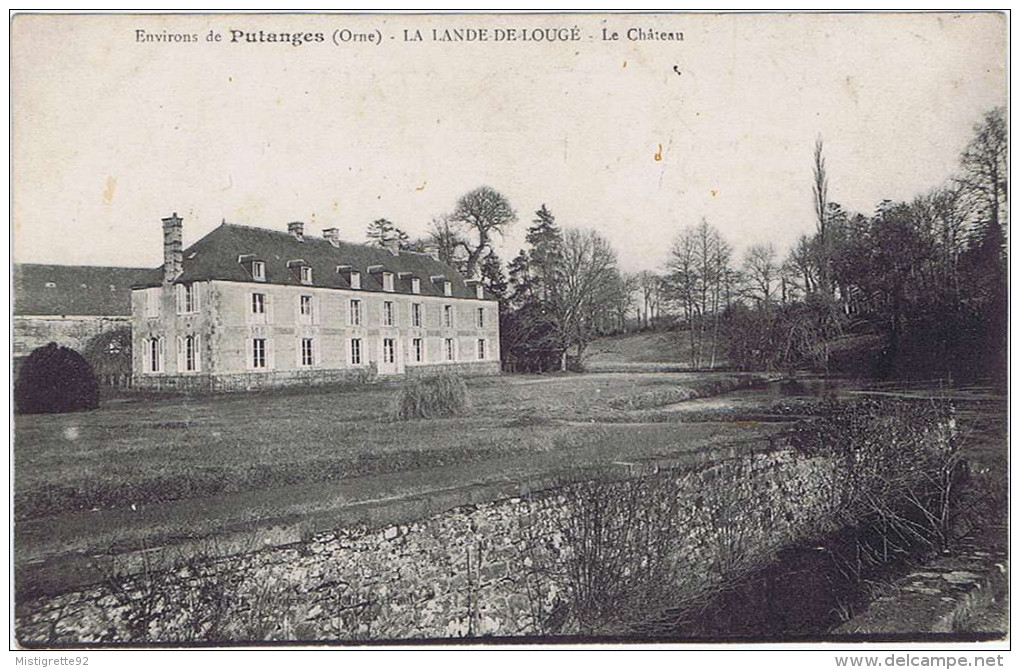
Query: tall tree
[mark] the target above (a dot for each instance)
(484, 212)
(699, 281)
(984, 170)
(820, 189)
(546, 253)
(588, 286)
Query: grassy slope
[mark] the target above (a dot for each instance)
(638, 348)
(154, 451)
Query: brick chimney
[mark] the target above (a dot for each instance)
(393, 244)
(332, 235)
(173, 247)
(297, 229)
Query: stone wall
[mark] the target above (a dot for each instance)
(253, 381)
(587, 558)
(473, 369)
(75, 332)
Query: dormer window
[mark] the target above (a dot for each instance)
(415, 285)
(353, 276)
(479, 292)
(447, 288)
(304, 270)
(257, 269)
(387, 281)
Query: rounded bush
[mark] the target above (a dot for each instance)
(55, 379)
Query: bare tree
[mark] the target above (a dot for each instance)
(588, 288)
(649, 289)
(700, 282)
(483, 211)
(762, 273)
(444, 237)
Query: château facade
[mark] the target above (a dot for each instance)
(246, 308)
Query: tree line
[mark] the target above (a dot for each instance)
(556, 296)
(913, 289)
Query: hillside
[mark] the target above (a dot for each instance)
(646, 347)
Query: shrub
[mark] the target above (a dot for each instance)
(55, 379)
(430, 397)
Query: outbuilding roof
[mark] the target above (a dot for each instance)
(75, 290)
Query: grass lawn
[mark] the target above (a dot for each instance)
(149, 451)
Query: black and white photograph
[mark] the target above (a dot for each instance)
(483, 331)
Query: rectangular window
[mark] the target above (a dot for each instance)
(419, 350)
(415, 285)
(152, 303)
(389, 350)
(447, 288)
(356, 351)
(387, 313)
(450, 351)
(258, 271)
(258, 354)
(191, 359)
(258, 303)
(188, 359)
(479, 292)
(307, 357)
(448, 316)
(481, 350)
(481, 317)
(416, 315)
(187, 298)
(154, 354)
(355, 280)
(306, 274)
(355, 312)
(387, 281)
(306, 308)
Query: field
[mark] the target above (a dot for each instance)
(142, 452)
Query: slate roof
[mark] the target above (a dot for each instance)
(74, 290)
(216, 255)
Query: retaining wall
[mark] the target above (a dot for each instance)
(587, 558)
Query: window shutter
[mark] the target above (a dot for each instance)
(179, 297)
(198, 353)
(270, 354)
(248, 307)
(315, 310)
(180, 354)
(196, 289)
(269, 308)
(159, 347)
(250, 356)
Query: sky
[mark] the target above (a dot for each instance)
(634, 138)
